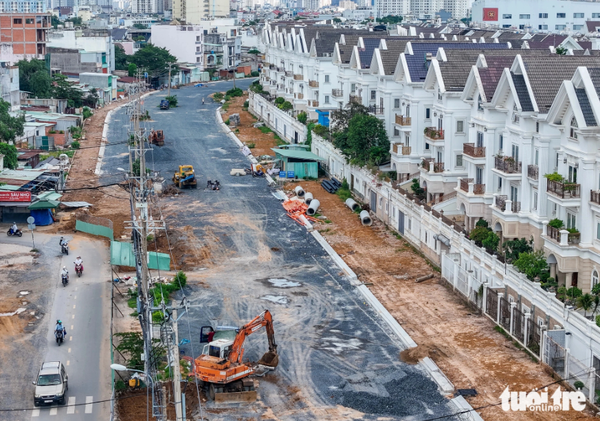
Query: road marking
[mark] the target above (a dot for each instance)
(53, 411)
(75, 297)
(74, 306)
(71, 327)
(69, 351)
(35, 413)
(71, 407)
(71, 337)
(68, 362)
(73, 316)
(88, 404)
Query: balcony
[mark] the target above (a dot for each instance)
(595, 196)
(402, 121)
(298, 77)
(507, 165)
(356, 99)
(473, 151)
(375, 110)
(515, 207)
(434, 133)
(299, 96)
(288, 73)
(313, 103)
(272, 67)
(403, 150)
(429, 164)
(564, 190)
(313, 83)
(477, 188)
(533, 172)
(337, 93)
(555, 234)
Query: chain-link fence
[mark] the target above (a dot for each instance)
(505, 314)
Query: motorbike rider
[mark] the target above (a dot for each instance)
(79, 261)
(62, 241)
(60, 328)
(64, 273)
(14, 228)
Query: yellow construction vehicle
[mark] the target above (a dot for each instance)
(185, 177)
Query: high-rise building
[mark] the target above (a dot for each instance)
(21, 6)
(147, 6)
(195, 11)
(391, 7)
(422, 8)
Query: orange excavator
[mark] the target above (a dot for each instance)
(221, 367)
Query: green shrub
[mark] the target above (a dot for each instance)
(417, 189)
(556, 223)
(302, 117)
(286, 106)
(555, 177)
(227, 122)
(120, 385)
(491, 242)
(482, 223)
(75, 145)
(234, 92)
(479, 234)
(279, 100)
(598, 320)
(344, 192)
(265, 129)
(227, 98)
(246, 104)
(87, 113)
(218, 96)
(321, 130)
(172, 101)
(251, 145)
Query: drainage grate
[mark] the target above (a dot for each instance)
(466, 392)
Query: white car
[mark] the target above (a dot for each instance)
(51, 385)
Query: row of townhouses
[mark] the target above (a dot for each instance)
(495, 126)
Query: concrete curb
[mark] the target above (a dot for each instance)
(463, 405)
(232, 135)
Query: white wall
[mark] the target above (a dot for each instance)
(182, 44)
(279, 121)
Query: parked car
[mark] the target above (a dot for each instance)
(51, 385)
(164, 104)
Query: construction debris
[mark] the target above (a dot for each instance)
(297, 211)
(331, 185)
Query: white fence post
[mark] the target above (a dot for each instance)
(591, 384)
(512, 324)
(484, 297)
(500, 295)
(526, 329)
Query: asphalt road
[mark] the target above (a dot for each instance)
(84, 307)
(337, 358)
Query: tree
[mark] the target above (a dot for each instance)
(561, 51)
(10, 155)
(77, 21)
(513, 248)
(482, 223)
(491, 242)
(55, 21)
(34, 77)
(341, 118)
(153, 60)
(61, 88)
(10, 128)
(367, 139)
(140, 26)
(390, 20)
(585, 302)
(131, 69)
(417, 189)
(479, 234)
(91, 99)
(172, 101)
(337, 20)
(120, 58)
(302, 117)
(533, 265)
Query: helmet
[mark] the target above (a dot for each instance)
(59, 322)
(64, 267)
(79, 257)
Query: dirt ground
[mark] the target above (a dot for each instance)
(247, 134)
(462, 342)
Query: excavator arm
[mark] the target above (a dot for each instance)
(264, 319)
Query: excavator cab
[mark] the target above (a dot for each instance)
(220, 348)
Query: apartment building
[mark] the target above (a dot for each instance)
(22, 6)
(392, 7)
(23, 35)
(86, 50)
(9, 85)
(194, 12)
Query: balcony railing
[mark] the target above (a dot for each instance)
(477, 188)
(337, 93)
(563, 190)
(501, 204)
(314, 103)
(313, 83)
(572, 237)
(406, 150)
(272, 67)
(402, 121)
(473, 151)
(427, 163)
(288, 73)
(299, 96)
(298, 77)
(507, 165)
(595, 196)
(434, 133)
(533, 172)
(375, 110)
(356, 99)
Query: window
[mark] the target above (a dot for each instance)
(460, 126)
(515, 118)
(506, 16)
(506, 26)
(571, 220)
(560, 27)
(396, 132)
(540, 321)
(543, 15)
(197, 59)
(397, 103)
(556, 161)
(572, 132)
(409, 224)
(408, 110)
(596, 15)
(578, 15)
(521, 26)
(535, 200)
(478, 175)
(459, 160)
(515, 152)
(537, 126)
(561, 15)
(427, 146)
(198, 38)
(198, 49)
(352, 87)
(479, 106)
(594, 278)
(597, 230)
(499, 183)
(572, 174)
(577, 27)
(526, 16)
(373, 95)
(326, 99)
(479, 139)
(29, 21)
(537, 157)
(501, 143)
(543, 27)
(427, 113)
(17, 21)
(407, 141)
(326, 78)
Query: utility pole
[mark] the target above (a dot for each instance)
(169, 92)
(176, 371)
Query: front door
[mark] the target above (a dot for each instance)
(401, 222)
(574, 279)
(374, 201)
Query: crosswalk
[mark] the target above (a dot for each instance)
(71, 408)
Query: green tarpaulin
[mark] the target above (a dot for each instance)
(44, 204)
(121, 254)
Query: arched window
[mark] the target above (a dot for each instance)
(594, 278)
(573, 127)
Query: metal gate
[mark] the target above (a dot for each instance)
(401, 222)
(491, 304)
(533, 336)
(518, 325)
(505, 314)
(374, 201)
(555, 356)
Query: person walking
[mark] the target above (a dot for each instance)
(202, 101)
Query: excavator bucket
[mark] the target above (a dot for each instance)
(270, 359)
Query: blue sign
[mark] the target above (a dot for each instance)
(281, 174)
(290, 174)
(146, 75)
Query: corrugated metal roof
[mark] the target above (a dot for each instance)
(297, 154)
(18, 177)
(49, 195)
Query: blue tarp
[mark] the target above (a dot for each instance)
(42, 217)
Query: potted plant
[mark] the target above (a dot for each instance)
(579, 385)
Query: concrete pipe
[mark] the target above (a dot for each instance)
(299, 191)
(308, 197)
(313, 207)
(352, 204)
(365, 218)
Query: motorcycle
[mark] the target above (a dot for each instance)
(65, 280)
(79, 269)
(59, 337)
(18, 233)
(64, 248)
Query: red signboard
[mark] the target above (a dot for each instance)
(490, 14)
(15, 196)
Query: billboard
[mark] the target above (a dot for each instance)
(490, 14)
(15, 196)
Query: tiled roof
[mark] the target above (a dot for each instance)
(522, 92)
(366, 54)
(586, 108)
(593, 25)
(595, 76)
(490, 76)
(390, 56)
